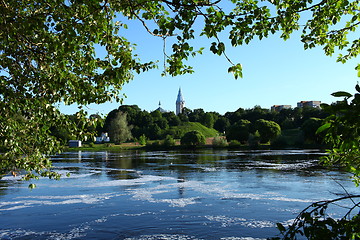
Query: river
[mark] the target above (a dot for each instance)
(205, 194)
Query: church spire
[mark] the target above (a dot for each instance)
(180, 103)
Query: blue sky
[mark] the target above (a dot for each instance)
(275, 72)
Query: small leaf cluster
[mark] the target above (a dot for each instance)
(316, 222)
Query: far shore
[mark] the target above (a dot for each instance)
(152, 146)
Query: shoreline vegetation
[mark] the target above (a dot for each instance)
(129, 127)
(211, 143)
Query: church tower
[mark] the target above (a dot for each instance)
(180, 103)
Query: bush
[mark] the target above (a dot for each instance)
(234, 144)
(91, 144)
(142, 140)
(280, 142)
(193, 138)
(169, 141)
(219, 142)
(156, 143)
(254, 139)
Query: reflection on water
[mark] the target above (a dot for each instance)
(203, 194)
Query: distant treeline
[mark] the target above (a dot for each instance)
(295, 126)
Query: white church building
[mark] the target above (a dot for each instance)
(180, 103)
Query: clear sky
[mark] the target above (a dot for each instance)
(275, 72)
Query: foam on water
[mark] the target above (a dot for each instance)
(28, 201)
(226, 221)
(163, 237)
(75, 233)
(215, 189)
(285, 166)
(129, 182)
(241, 238)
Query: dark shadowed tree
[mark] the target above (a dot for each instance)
(309, 127)
(221, 124)
(239, 131)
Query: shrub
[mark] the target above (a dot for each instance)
(254, 139)
(142, 140)
(219, 142)
(280, 142)
(193, 138)
(234, 144)
(169, 141)
(156, 143)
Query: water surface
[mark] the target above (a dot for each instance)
(208, 194)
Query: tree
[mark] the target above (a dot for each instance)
(310, 127)
(239, 131)
(193, 138)
(47, 54)
(119, 130)
(221, 124)
(196, 115)
(132, 113)
(172, 119)
(109, 118)
(153, 131)
(208, 120)
(268, 130)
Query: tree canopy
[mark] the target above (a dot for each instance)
(48, 55)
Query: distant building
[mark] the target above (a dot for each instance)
(103, 138)
(160, 108)
(313, 104)
(74, 143)
(180, 103)
(278, 108)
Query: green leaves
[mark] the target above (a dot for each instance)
(316, 222)
(341, 94)
(48, 56)
(323, 128)
(236, 70)
(342, 130)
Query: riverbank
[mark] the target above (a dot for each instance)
(157, 145)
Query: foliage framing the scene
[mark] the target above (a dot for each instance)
(48, 55)
(342, 133)
(342, 129)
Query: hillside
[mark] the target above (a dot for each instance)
(179, 131)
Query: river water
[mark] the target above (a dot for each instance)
(205, 194)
